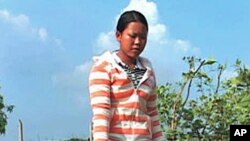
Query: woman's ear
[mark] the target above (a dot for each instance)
(118, 35)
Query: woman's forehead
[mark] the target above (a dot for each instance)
(136, 26)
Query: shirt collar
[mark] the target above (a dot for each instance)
(118, 60)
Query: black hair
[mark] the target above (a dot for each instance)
(130, 16)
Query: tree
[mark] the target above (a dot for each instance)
(4, 109)
(219, 104)
(77, 139)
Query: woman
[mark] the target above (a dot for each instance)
(123, 88)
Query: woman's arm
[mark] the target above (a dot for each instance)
(157, 134)
(99, 87)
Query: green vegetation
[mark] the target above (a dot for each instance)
(4, 109)
(77, 139)
(220, 101)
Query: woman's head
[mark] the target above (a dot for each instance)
(131, 33)
(128, 17)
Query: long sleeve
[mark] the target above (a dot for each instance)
(99, 87)
(157, 133)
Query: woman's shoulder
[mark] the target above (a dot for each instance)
(103, 60)
(145, 61)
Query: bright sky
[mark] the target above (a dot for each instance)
(46, 49)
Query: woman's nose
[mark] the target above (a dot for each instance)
(137, 40)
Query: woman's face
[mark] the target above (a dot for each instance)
(133, 39)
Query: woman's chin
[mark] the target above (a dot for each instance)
(134, 55)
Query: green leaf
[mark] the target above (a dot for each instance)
(210, 61)
(245, 101)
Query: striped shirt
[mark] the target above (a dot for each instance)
(121, 111)
(135, 74)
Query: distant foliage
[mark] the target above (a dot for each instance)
(4, 109)
(220, 101)
(77, 139)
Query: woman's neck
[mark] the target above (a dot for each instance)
(131, 62)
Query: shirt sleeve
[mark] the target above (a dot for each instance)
(99, 88)
(157, 133)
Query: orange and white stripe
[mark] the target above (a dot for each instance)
(122, 112)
